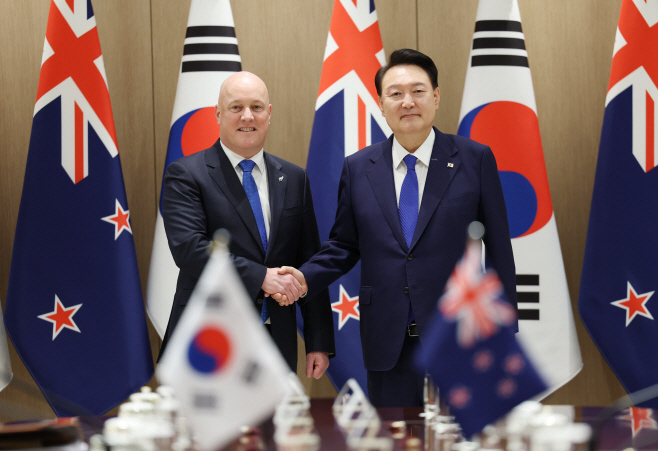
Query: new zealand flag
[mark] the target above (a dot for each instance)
(74, 306)
(620, 274)
(471, 350)
(347, 119)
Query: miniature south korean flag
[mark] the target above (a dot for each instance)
(224, 366)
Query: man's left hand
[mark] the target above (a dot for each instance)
(316, 364)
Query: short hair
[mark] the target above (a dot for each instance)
(409, 57)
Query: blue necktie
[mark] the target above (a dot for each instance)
(408, 208)
(249, 185)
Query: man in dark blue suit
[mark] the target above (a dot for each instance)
(265, 204)
(404, 206)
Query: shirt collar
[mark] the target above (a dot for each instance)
(423, 153)
(235, 159)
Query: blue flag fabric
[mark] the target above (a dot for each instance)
(620, 274)
(347, 119)
(471, 350)
(74, 307)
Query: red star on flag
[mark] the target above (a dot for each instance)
(483, 360)
(61, 317)
(347, 307)
(514, 364)
(634, 304)
(640, 419)
(459, 397)
(506, 388)
(119, 219)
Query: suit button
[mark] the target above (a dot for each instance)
(406, 290)
(259, 301)
(410, 257)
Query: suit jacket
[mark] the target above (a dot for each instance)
(202, 193)
(462, 185)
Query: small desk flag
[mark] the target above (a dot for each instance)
(223, 364)
(471, 351)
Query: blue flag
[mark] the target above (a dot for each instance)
(74, 306)
(347, 119)
(471, 351)
(620, 275)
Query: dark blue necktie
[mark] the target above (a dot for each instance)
(250, 188)
(408, 208)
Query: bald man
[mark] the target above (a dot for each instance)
(265, 204)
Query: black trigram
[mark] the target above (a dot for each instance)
(214, 300)
(211, 49)
(251, 372)
(528, 297)
(205, 401)
(498, 43)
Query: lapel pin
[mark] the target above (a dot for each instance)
(450, 165)
(281, 179)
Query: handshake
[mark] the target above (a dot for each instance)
(285, 285)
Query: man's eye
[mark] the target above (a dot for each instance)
(257, 108)
(395, 94)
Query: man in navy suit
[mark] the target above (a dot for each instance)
(265, 204)
(404, 206)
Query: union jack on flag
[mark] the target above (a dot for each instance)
(633, 66)
(347, 119)
(74, 305)
(639, 419)
(473, 300)
(72, 69)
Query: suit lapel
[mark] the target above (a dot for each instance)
(439, 176)
(221, 171)
(277, 182)
(380, 175)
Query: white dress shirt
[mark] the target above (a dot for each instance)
(259, 172)
(423, 153)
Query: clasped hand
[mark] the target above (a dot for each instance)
(285, 285)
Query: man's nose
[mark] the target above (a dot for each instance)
(407, 101)
(246, 115)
